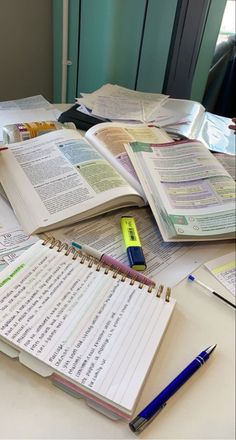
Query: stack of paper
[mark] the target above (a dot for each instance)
(114, 102)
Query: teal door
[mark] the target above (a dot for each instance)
(123, 42)
(130, 43)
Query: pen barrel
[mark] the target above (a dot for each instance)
(171, 389)
(124, 269)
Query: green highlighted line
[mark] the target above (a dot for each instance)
(12, 275)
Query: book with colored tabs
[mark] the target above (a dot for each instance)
(94, 332)
(191, 195)
(61, 177)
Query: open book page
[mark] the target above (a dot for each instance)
(110, 139)
(189, 191)
(59, 178)
(93, 329)
(229, 163)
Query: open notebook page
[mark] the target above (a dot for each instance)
(95, 330)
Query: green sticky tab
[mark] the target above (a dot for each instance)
(141, 146)
(179, 219)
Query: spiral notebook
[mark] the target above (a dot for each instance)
(90, 329)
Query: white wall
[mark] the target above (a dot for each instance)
(26, 60)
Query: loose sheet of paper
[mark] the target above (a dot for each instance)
(113, 107)
(32, 102)
(224, 269)
(13, 240)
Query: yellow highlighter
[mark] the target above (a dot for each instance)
(132, 243)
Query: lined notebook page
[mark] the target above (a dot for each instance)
(97, 331)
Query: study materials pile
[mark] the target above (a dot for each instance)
(90, 330)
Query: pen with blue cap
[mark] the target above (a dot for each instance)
(132, 243)
(147, 414)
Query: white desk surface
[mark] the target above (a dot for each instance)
(204, 408)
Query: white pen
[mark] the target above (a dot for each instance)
(193, 278)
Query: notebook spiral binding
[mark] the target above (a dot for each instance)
(62, 246)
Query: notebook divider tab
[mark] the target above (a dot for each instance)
(9, 350)
(34, 364)
(104, 408)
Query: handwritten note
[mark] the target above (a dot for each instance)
(94, 329)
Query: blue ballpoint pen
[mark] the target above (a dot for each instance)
(156, 405)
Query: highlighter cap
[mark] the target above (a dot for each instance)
(136, 258)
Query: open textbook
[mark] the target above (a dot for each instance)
(93, 332)
(191, 195)
(60, 178)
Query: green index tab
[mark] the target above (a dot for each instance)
(9, 278)
(141, 146)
